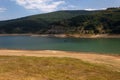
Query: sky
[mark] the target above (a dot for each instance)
(11, 9)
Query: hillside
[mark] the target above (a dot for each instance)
(101, 22)
(59, 15)
(71, 21)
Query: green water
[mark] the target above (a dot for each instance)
(64, 44)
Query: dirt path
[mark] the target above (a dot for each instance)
(111, 61)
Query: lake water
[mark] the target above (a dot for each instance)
(64, 44)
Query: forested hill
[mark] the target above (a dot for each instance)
(66, 22)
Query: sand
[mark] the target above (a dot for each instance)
(67, 35)
(110, 61)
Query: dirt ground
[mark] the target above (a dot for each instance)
(110, 61)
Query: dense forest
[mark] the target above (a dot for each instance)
(66, 22)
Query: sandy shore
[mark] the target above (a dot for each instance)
(108, 60)
(66, 35)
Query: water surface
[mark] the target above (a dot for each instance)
(64, 44)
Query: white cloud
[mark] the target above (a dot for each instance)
(91, 9)
(42, 5)
(3, 9)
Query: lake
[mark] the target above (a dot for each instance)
(65, 44)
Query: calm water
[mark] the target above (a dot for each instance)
(66, 44)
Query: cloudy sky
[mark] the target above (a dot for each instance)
(10, 9)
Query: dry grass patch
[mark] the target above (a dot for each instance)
(33, 68)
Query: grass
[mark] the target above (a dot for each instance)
(33, 68)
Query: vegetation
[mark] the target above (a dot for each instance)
(66, 22)
(33, 68)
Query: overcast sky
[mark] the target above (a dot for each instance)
(10, 9)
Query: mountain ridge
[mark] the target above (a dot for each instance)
(66, 21)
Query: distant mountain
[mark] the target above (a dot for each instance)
(67, 21)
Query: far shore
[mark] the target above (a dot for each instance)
(68, 35)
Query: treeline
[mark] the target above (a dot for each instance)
(102, 22)
(68, 22)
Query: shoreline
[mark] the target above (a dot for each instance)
(107, 60)
(67, 35)
(78, 52)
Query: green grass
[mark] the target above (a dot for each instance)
(33, 68)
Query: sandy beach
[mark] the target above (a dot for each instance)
(67, 35)
(108, 60)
